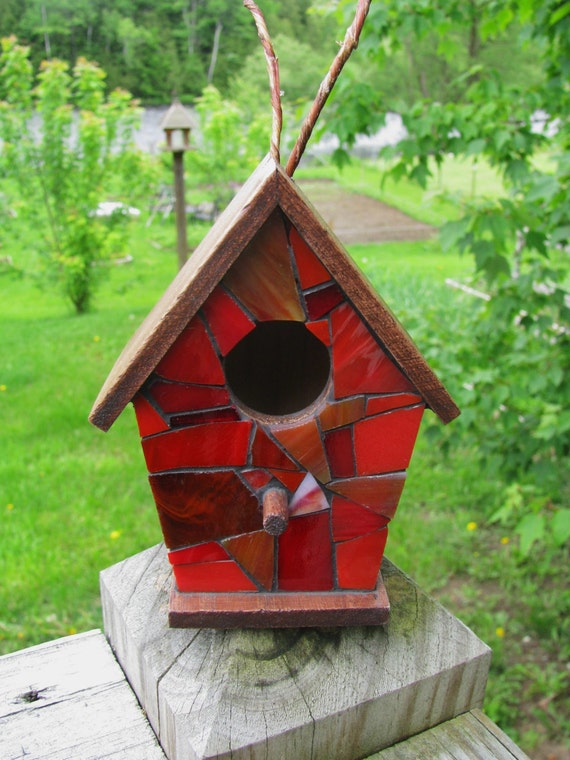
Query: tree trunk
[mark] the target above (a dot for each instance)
(215, 48)
(46, 33)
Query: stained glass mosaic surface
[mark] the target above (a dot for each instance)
(340, 452)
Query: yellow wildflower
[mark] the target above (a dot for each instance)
(3, 387)
(114, 535)
(471, 526)
(500, 631)
(505, 540)
(96, 339)
(9, 507)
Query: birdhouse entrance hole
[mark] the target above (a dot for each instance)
(280, 368)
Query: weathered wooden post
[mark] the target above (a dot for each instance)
(177, 125)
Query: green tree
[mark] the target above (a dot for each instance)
(512, 378)
(79, 155)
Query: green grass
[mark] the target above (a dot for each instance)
(74, 500)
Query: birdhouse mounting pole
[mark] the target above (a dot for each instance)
(273, 71)
(349, 44)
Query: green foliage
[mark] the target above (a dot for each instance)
(66, 147)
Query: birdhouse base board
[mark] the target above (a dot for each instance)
(279, 610)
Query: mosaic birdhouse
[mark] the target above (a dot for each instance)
(278, 401)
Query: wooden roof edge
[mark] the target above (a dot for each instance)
(358, 288)
(223, 243)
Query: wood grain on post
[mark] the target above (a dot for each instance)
(275, 511)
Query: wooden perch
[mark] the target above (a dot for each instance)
(275, 511)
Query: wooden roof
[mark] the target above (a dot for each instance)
(267, 188)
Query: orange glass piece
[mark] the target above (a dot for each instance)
(291, 480)
(342, 413)
(257, 478)
(350, 520)
(266, 453)
(321, 330)
(380, 493)
(377, 404)
(215, 444)
(385, 443)
(149, 420)
(358, 561)
(311, 271)
(340, 455)
(255, 552)
(305, 555)
(304, 443)
(203, 506)
(176, 397)
(227, 320)
(212, 576)
(262, 278)
(308, 498)
(192, 359)
(211, 551)
(360, 365)
(321, 301)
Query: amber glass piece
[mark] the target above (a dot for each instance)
(175, 397)
(266, 453)
(358, 561)
(321, 301)
(342, 413)
(308, 498)
(203, 506)
(338, 445)
(149, 420)
(311, 271)
(255, 552)
(380, 493)
(211, 551)
(385, 443)
(291, 480)
(321, 330)
(262, 278)
(378, 404)
(213, 445)
(304, 443)
(192, 359)
(212, 576)
(229, 414)
(305, 555)
(360, 365)
(228, 322)
(257, 478)
(350, 520)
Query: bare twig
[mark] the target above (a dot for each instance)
(349, 44)
(273, 71)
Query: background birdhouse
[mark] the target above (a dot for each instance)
(278, 401)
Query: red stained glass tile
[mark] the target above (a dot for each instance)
(358, 561)
(203, 506)
(321, 330)
(175, 397)
(308, 498)
(229, 414)
(266, 453)
(212, 576)
(311, 271)
(378, 404)
(262, 278)
(213, 445)
(360, 365)
(256, 553)
(192, 359)
(380, 493)
(385, 443)
(320, 302)
(305, 556)
(208, 552)
(342, 413)
(148, 419)
(304, 443)
(350, 520)
(291, 480)
(257, 478)
(338, 445)
(228, 322)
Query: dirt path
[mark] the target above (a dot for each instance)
(359, 219)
